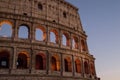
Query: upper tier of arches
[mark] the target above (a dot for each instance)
(57, 11)
(42, 34)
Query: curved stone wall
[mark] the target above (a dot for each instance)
(43, 39)
(57, 11)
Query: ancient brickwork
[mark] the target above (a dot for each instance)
(44, 40)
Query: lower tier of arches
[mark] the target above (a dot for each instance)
(26, 59)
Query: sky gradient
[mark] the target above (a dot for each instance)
(101, 21)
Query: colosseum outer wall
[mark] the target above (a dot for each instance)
(57, 11)
(25, 56)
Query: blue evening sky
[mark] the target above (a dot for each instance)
(101, 21)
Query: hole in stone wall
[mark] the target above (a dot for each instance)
(23, 32)
(64, 15)
(25, 14)
(54, 21)
(40, 6)
(5, 29)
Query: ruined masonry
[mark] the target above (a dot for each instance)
(43, 40)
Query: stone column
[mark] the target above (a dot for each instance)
(73, 66)
(83, 70)
(15, 31)
(32, 32)
(89, 68)
(86, 46)
(14, 58)
(79, 44)
(80, 48)
(60, 40)
(32, 67)
(47, 35)
(71, 41)
(31, 59)
(61, 70)
(47, 62)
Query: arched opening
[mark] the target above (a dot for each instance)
(78, 66)
(83, 45)
(4, 59)
(53, 36)
(23, 60)
(40, 6)
(67, 65)
(5, 29)
(40, 34)
(65, 39)
(75, 43)
(40, 62)
(64, 14)
(86, 68)
(23, 32)
(53, 64)
(92, 69)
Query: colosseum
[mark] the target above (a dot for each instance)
(43, 40)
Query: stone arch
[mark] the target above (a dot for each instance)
(54, 36)
(40, 61)
(23, 31)
(55, 63)
(78, 66)
(92, 69)
(6, 29)
(64, 14)
(40, 6)
(40, 33)
(23, 60)
(67, 64)
(86, 67)
(4, 59)
(6, 21)
(83, 45)
(75, 42)
(65, 39)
